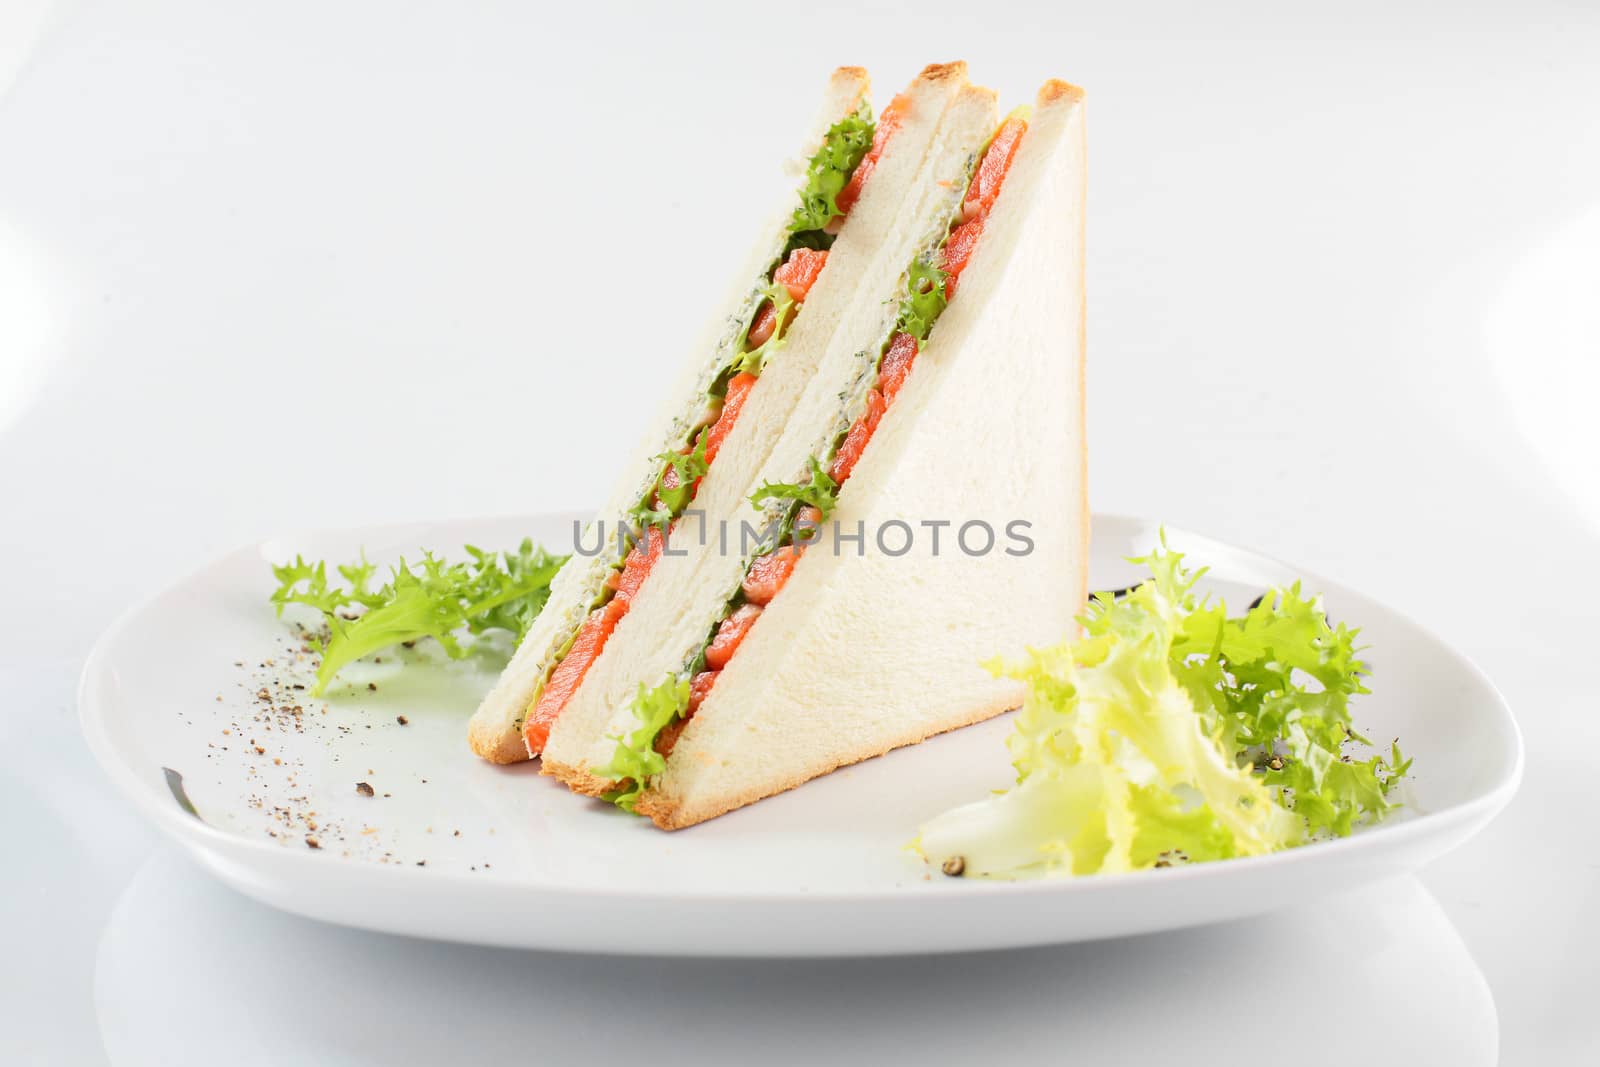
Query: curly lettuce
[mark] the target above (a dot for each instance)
(819, 491)
(784, 306)
(843, 147)
(490, 591)
(1171, 732)
(662, 503)
(636, 760)
(1278, 682)
(925, 298)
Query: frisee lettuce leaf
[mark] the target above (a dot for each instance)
(490, 591)
(1154, 737)
(649, 511)
(820, 491)
(1251, 675)
(755, 359)
(687, 468)
(307, 583)
(662, 504)
(843, 147)
(636, 760)
(925, 298)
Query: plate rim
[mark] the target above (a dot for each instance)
(195, 833)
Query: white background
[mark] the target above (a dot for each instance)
(270, 266)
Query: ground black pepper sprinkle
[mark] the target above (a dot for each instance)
(364, 789)
(955, 866)
(401, 719)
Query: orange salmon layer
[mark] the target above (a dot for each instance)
(769, 573)
(798, 273)
(888, 123)
(981, 195)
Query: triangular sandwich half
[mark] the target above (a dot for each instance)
(735, 395)
(950, 455)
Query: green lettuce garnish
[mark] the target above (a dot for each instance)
(307, 583)
(925, 298)
(820, 491)
(491, 591)
(753, 361)
(636, 760)
(1250, 676)
(661, 504)
(687, 468)
(843, 147)
(1171, 731)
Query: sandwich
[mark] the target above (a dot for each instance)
(789, 301)
(918, 501)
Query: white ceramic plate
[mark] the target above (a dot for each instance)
(450, 847)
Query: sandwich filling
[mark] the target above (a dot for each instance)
(798, 509)
(835, 177)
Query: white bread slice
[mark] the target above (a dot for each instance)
(670, 620)
(495, 730)
(860, 654)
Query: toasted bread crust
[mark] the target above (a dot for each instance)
(577, 779)
(937, 72)
(852, 82)
(494, 744)
(668, 815)
(1055, 89)
(977, 95)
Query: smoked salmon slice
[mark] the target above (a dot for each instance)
(896, 365)
(799, 272)
(568, 675)
(981, 195)
(768, 574)
(738, 390)
(855, 441)
(730, 635)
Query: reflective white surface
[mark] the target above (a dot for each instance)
(177, 984)
(270, 248)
